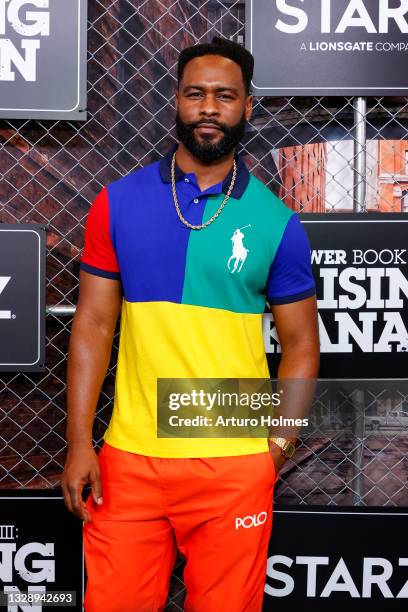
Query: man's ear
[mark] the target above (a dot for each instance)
(176, 99)
(248, 107)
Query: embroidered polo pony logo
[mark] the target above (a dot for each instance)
(239, 252)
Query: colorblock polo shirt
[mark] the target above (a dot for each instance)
(193, 300)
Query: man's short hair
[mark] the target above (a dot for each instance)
(220, 46)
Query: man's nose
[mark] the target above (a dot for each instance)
(209, 106)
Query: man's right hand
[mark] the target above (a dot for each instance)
(81, 468)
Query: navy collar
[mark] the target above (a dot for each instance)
(241, 181)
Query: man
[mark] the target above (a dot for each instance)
(163, 236)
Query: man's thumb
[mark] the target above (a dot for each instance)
(96, 489)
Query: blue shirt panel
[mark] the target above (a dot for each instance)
(290, 278)
(149, 239)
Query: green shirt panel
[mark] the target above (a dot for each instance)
(228, 262)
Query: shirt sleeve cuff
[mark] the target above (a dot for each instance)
(288, 299)
(98, 272)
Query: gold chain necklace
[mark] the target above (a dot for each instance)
(176, 204)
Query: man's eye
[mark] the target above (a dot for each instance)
(226, 97)
(194, 93)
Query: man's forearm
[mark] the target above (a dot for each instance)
(88, 360)
(299, 362)
(297, 374)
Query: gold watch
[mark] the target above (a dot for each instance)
(287, 447)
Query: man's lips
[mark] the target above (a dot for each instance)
(207, 128)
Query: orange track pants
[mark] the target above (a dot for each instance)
(217, 511)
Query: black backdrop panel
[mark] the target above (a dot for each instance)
(22, 297)
(360, 263)
(307, 48)
(39, 535)
(328, 559)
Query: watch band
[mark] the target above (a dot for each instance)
(287, 447)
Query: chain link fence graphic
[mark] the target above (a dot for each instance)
(302, 148)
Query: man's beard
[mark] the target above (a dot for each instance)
(207, 151)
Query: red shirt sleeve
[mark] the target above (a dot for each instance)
(99, 256)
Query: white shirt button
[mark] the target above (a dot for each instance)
(196, 200)
(186, 180)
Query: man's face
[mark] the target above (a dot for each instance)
(212, 107)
